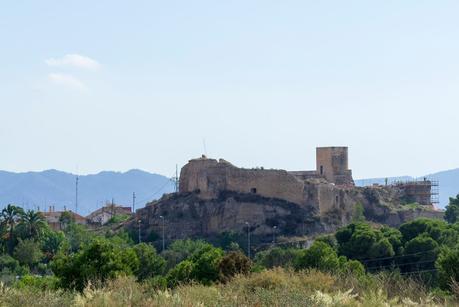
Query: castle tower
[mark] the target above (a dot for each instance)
(332, 164)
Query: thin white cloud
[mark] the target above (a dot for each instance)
(74, 60)
(68, 81)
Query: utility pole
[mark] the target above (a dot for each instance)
(76, 194)
(274, 234)
(248, 238)
(133, 202)
(164, 244)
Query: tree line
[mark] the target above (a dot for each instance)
(32, 254)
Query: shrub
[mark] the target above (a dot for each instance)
(232, 264)
(181, 273)
(37, 282)
(277, 257)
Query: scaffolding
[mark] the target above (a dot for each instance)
(435, 192)
(423, 190)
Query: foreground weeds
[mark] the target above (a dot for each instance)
(275, 287)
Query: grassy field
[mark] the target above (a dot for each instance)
(277, 287)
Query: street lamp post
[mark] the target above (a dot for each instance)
(164, 244)
(138, 222)
(274, 234)
(248, 238)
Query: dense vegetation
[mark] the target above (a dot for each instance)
(359, 264)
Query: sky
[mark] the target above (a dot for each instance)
(87, 86)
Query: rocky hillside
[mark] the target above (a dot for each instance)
(188, 216)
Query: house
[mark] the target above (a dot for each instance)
(52, 217)
(102, 215)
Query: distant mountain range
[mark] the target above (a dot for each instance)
(448, 183)
(34, 190)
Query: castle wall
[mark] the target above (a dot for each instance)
(209, 177)
(268, 183)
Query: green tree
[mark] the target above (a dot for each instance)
(28, 252)
(431, 227)
(319, 256)
(150, 263)
(233, 263)
(66, 218)
(77, 235)
(9, 218)
(201, 266)
(183, 249)
(394, 236)
(360, 241)
(206, 263)
(52, 242)
(421, 253)
(98, 261)
(448, 267)
(452, 210)
(32, 224)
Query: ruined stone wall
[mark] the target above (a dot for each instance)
(267, 183)
(332, 163)
(210, 177)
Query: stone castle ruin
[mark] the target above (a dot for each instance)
(215, 196)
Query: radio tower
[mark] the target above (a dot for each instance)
(76, 194)
(175, 179)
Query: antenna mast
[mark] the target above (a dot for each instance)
(176, 178)
(76, 194)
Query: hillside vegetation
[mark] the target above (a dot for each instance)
(359, 265)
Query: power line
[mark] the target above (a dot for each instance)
(156, 192)
(420, 271)
(401, 264)
(392, 257)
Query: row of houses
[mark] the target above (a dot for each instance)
(96, 218)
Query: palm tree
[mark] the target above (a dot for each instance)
(33, 223)
(9, 218)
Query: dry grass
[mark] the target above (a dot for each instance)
(275, 287)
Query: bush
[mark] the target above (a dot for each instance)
(181, 273)
(37, 282)
(157, 283)
(232, 264)
(278, 257)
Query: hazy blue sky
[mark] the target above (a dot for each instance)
(117, 85)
